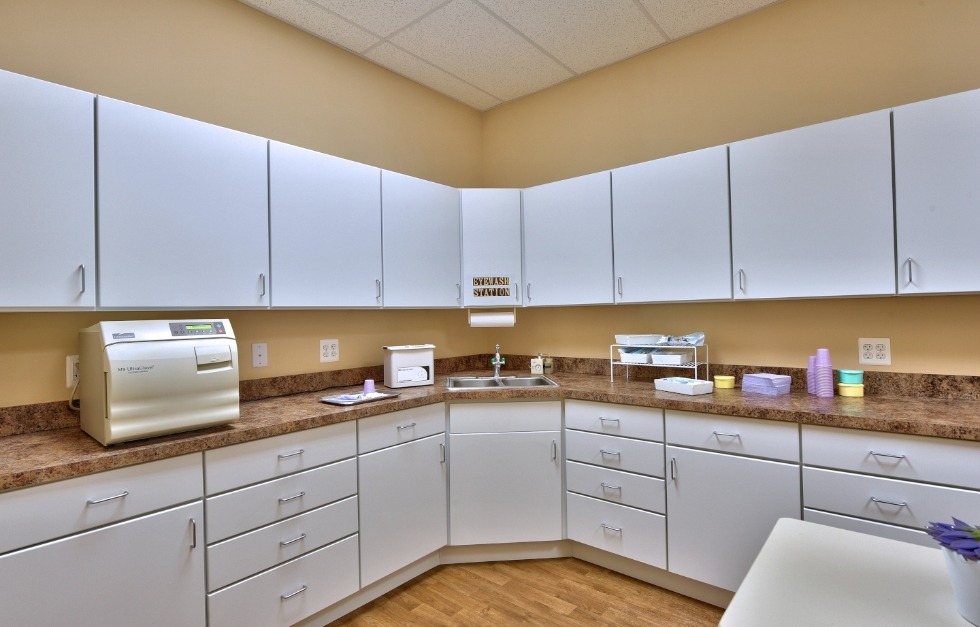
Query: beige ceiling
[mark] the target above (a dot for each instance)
(486, 52)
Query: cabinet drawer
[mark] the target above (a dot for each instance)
(247, 554)
(952, 462)
(290, 592)
(243, 464)
(887, 500)
(643, 423)
(882, 530)
(397, 427)
(44, 512)
(620, 453)
(730, 434)
(249, 508)
(616, 486)
(625, 531)
(505, 417)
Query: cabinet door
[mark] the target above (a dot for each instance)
(325, 229)
(47, 208)
(568, 242)
(402, 492)
(147, 571)
(183, 212)
(671, 233)
(937, 194)
(505, 487)
(491, 235)
(720, 511)
(812, 211)
(420, 223)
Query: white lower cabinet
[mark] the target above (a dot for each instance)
(505, 486)
(722, 506)
(145, 571)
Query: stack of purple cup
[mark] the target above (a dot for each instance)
(824, 379)
(811, 375)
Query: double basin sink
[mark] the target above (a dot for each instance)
(499, 383)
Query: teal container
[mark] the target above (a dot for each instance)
(851, 376)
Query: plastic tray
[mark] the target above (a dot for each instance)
(357, 399)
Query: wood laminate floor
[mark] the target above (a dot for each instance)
(564, 591)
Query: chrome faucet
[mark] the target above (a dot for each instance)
(497, 361)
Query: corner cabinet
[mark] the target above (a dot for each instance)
(325, 229)
(47, 208)
(183, 212)
(568, 242)
(421, 256)
(671, 233)
(491, 239)
(812, 211)
(937, 194)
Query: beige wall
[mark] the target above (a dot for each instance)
(799, 62)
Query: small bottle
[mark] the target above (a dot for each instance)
(548, 364)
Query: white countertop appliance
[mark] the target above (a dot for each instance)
(409, 365)
(144, 378)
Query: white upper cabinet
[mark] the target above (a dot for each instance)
(325, 229)
(183, 212)
(420, 230)
(812, 211)
(671, 233)
(568, 242)
(491, 236)
(47, 208)
(937, 194)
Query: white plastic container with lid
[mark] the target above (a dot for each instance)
(409, 365)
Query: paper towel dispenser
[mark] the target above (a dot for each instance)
(144, 378)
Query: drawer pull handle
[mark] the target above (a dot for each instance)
(301, 536)
(884, 502)
(554, 450)
(285, 597)
(607, 486)
(892, 455)
(410, 425)
(193, 533)
(604, 452)
(293, 497)
(442, 453)
(293, 454)
(121, 495)
(673, 468)
(722, 434)
(603, 419)
(613, 529)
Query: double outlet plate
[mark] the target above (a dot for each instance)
(875, 351)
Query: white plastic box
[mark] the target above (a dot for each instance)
(409, 365)
(671, 356)
(683, 385)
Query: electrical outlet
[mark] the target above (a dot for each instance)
(71, 370)
(875, 351)
(260, 355)
(329, 350)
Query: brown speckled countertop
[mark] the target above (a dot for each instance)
(42, 456)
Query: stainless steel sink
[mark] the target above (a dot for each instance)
(470, 383)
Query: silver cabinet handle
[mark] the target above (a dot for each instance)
(459, 293)
(554, 450)
(892, 455)
(285, 597)
(741, 280)
(527, 291)
(301, 536)
(121, 495)
(722, 434)
(909, 262)
(292, 498)
(81, 270)
(673, 468)
(193, 533)
(614, 529)
(442, 453)
(604, 452)
(377, 289)
(619, 285)
(408, 426)
(607, 486)
(884, 502)
(293, 454)
(603, 419)
(262, 280)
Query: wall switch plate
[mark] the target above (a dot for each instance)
(329, 350)
(71, 370)
(260, 355)
(875, 351)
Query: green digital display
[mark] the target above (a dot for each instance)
(197, 327)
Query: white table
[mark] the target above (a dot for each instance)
(810, 574)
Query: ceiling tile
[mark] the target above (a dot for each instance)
(466, 41)
(680, 18)
(415, 69)
(381, 17)
(307, 16)
(582, 34)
